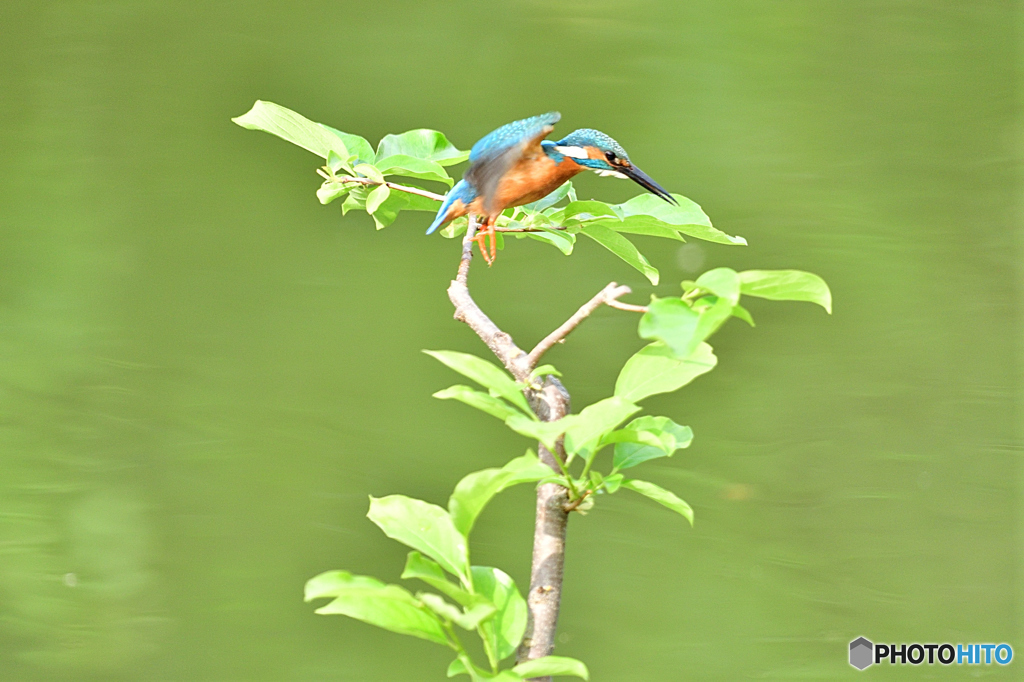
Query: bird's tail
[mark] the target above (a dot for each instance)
(461, 192)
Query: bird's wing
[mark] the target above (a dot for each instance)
(513, 134)
(498, 151)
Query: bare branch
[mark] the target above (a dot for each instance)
(467, 256)
(466, 310)
(550, 525)
(572, 506)
(609, 293)
(626, 306)
(348, 179)
(415, 190)
(527, 229)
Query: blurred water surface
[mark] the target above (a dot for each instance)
(204, 372)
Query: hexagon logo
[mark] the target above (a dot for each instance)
(861, 653)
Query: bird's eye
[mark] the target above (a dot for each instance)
(610, 156)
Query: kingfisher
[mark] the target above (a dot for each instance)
(515, 165)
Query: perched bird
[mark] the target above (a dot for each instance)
(515, 165)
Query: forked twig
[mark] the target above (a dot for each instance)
(606, 296)
(550, 402)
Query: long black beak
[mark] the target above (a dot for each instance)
(645, 181)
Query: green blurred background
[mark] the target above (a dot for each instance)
(204, 372)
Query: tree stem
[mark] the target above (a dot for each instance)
(550, 402)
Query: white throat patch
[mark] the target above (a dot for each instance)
(611, 174)
(574, 152)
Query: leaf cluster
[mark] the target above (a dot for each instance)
(355, 171)
(683, 323)
(364, 178)
(678, 328)
(606, 224)
(603, 424)
(480, 599)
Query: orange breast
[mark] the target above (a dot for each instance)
(533, 178)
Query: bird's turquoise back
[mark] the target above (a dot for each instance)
(511, 134)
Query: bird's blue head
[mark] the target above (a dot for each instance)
(600, 153)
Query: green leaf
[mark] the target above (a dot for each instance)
(561, 240)
(424, 527)
(439, 606)
(356, 146)
(455, 228)
(369, 171)
(411, 167)
(353, 201)
(410, 202)
(595, 421)
(468, 619)
(552, 665)
(637, 437)
(685, 212)
(485, 402)
(642, 225)
(744, 314)
(682, 435)
(681, 327)
(288, 125)
(722, 282)
(786, 285)
(630, 454)
(545, 370)
(585, 210)
(670, 320)
(387, 212)
(371, 601)
(474, 491)
(457, 667)
(661, 496)
(505, 630)
(419, 567)
(656, 369)
(471, 617)
(545, 432)
(711, 318)
(551, 199)
(330, 190)
(613, 482)
(687, 217)
(377, 197)
(334, 162)
(356, 199)
(484, 373)
(621, 247)
(523, 218)
(328, 583)
(421, 144)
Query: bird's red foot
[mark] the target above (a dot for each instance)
(480, 239)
